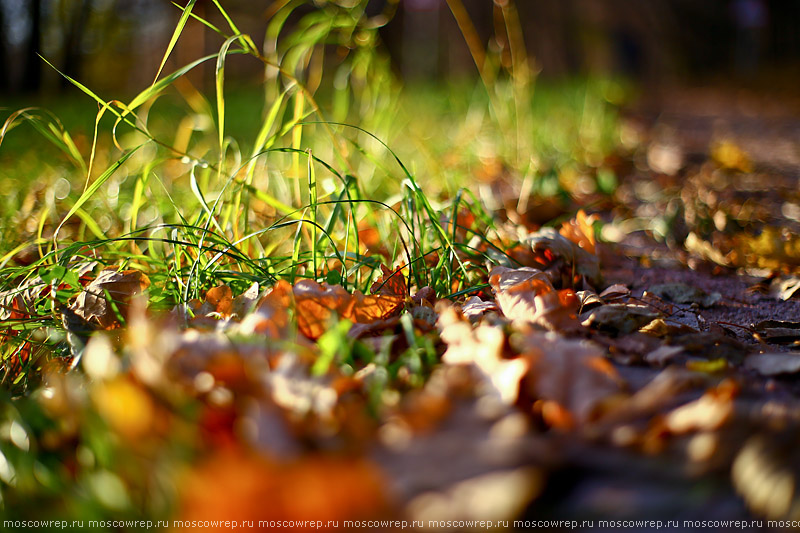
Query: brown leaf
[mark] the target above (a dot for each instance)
(483, 348)
(570, 380)
(620, 318)
(552, 245)
(681, 293)
(238, 485)
(526, 295)
(318, 304)
(271, 317)
(773, 364)
(778, 331)
(390, 283)
(92, 304)
(580, 230)
(220, 298)
(615, 292)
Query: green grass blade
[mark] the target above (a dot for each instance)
(93, 188)
(175, 35)
(220, 82)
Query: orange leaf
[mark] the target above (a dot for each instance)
(317, 305)
(390, 283)
(271, 317)
(221, 299)
(482, 347)
(238, 485)
(580, 230)
(368, 309)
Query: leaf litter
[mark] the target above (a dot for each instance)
(638, 370)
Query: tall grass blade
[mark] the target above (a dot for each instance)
(93, 188)
(175, 35)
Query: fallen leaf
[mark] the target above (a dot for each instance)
(92, 304)
(526, 295)
(681, 293)
(773, 364)
(390, 283)
(588, 300)
(712, 345)
(762, 474)
(711, 366)
(615, 292)
(550, 244)
(662, 355)
(772, 248)
(778, 331)
(127, 407)
(271, 316)
(783, 288)
(475, 308)
(238, 485)
(220, 300)
(709, 412)
(317, 305)
(574, 375)
(619, 318)
(580, 230)
(489, 497)
(245, 302)
(705, 249)
(482, 347)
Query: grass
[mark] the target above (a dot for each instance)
(322, 172)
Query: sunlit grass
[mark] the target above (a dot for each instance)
(322, 171)
(283, 179)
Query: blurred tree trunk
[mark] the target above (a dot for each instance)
(4, 73)
(73, 39)
(32, 75)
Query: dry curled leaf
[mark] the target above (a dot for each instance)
(475, 307)
(778, 331)
(219, 300)
(271, 316)
(783, 288)
(551, 245)
(526, 295)
(110, 289)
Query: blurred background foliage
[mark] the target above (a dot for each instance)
(115, 45)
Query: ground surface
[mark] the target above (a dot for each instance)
(648, 374)
(637, 466)
(611, 482)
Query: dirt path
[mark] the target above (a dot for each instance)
(705, 436)
(602, 481)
